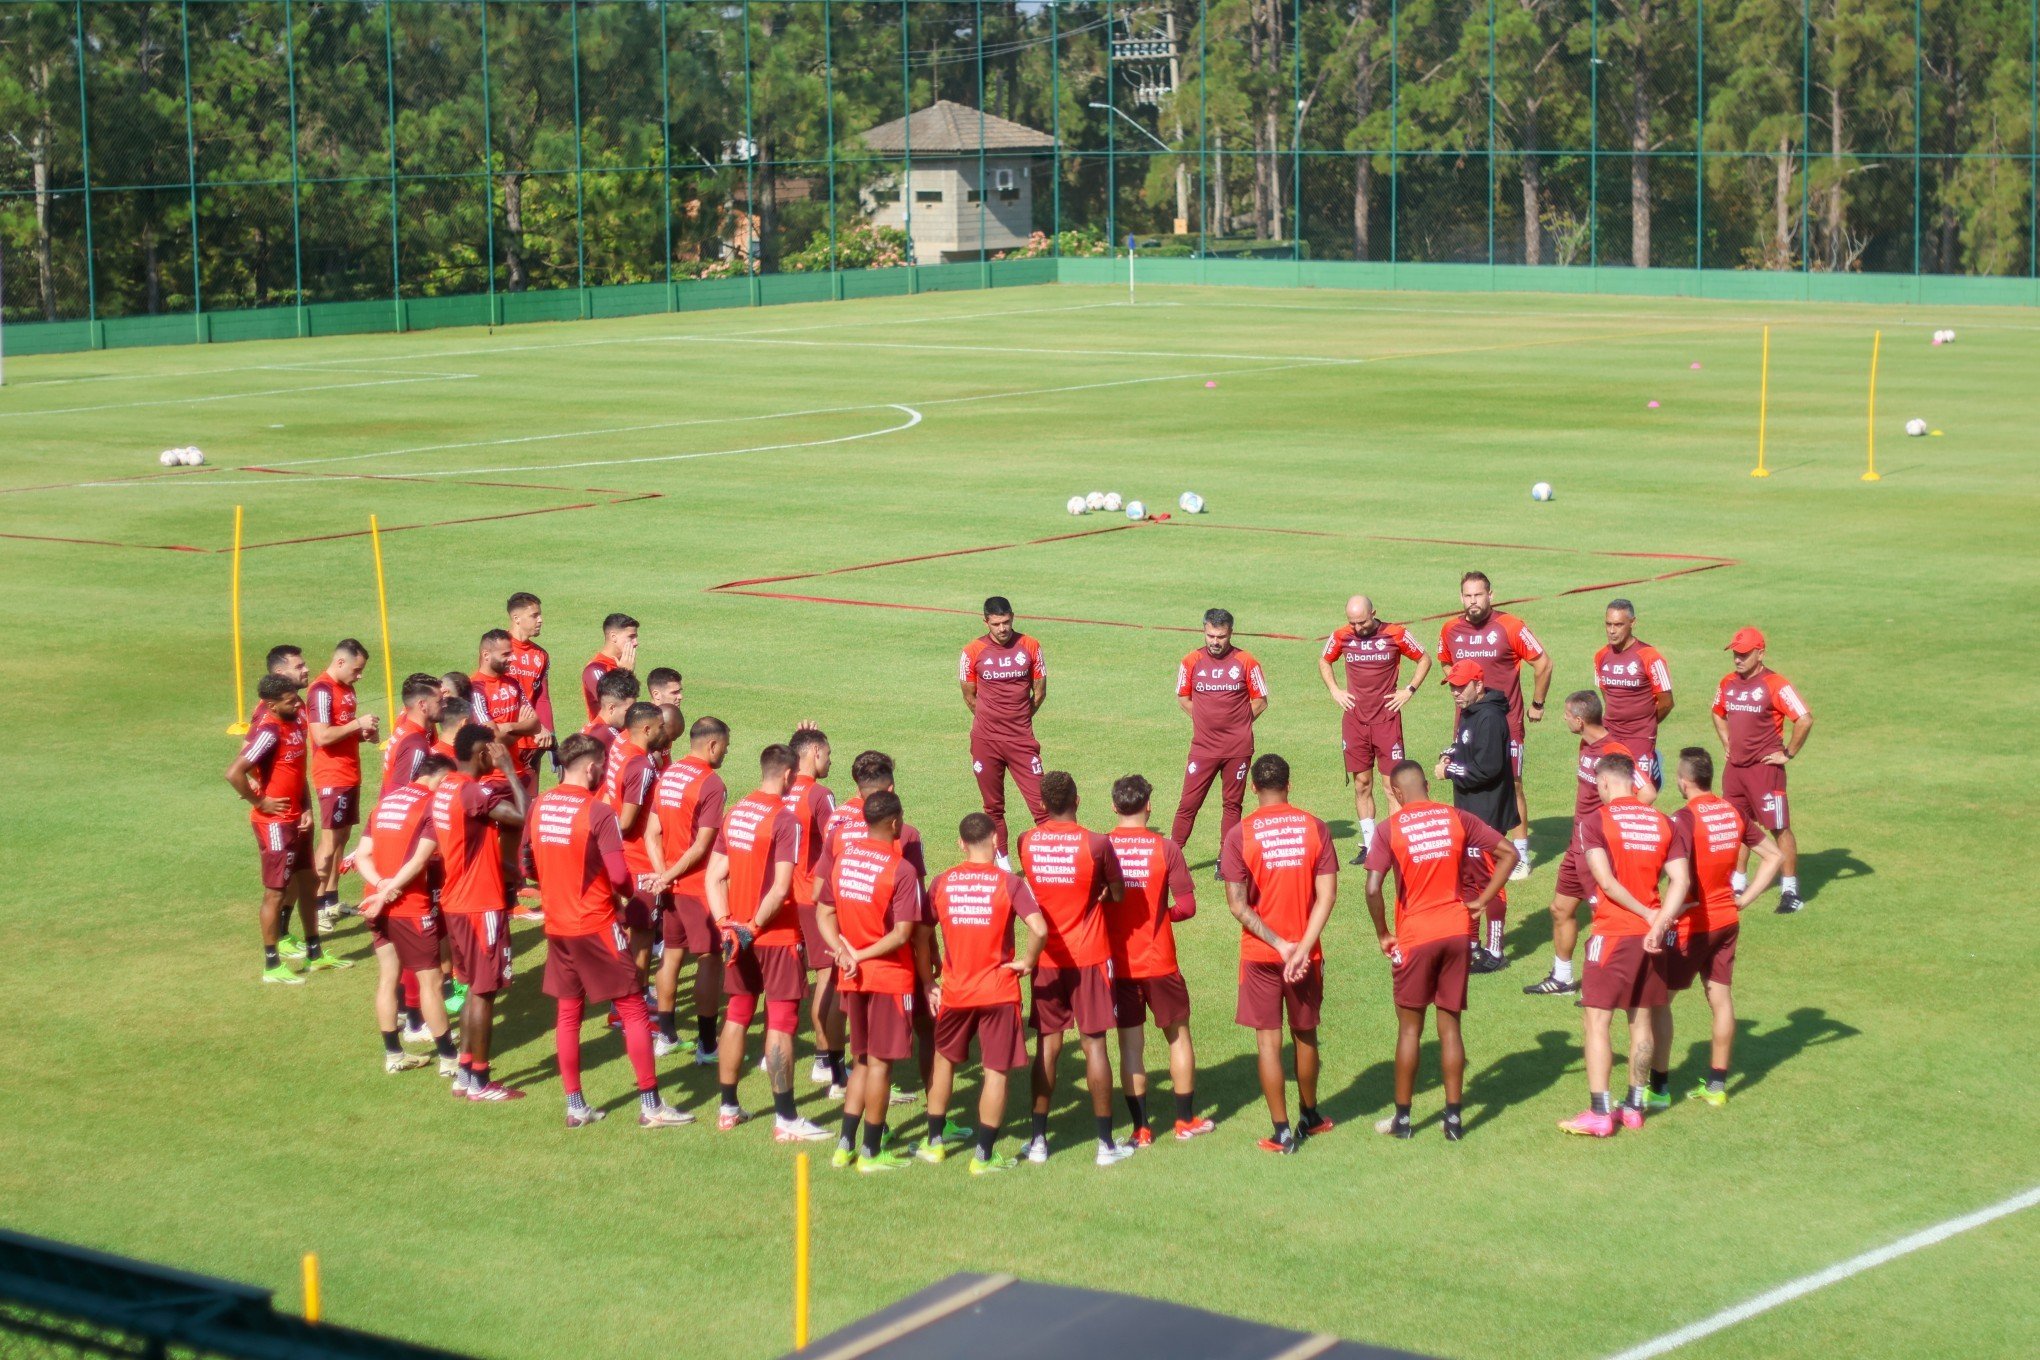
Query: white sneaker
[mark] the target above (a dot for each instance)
(798, 1131)
(416, 1034)
(1036, 1150)
(329, 917)
(1521, 871)
(449, 1067)
(899, 1097)
(586, 1115)
(662, 1047)
(837, 1090)
(820, 1074)
(663, 1116)
(404, 1062)
(1115, 1154)
(1003, 862)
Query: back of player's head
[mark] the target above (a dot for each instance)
(495, 636)
(1618, 765)
(457, 681)
(1473, 576)
(776, 759)
(708, 729)
(1271, 772)
(617, 684)
(658, 677)
(431, 765)
(350, 648)
(1130, 793)
(469, 740)
(520, 602)
(806, 740)
(273, 687)
(1406, 773)
(1218, 618)
(881, 805)
(1696, 766)
(1059, 793)
(998, 607)
(976, 829)
(418, 685)
(1584, 704)
(282, 655)
(578, 748)
(455, 713)
(616, 623)
(1619, 605)
(642, 715)
(871, 770)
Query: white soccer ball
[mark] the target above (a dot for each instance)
(1916, 428)
(193, 458)
(170, 457)
(1190, 503)
(1076, 505)
(1135, 510)
(1113, 501)
(1541, 492)
(1095, 501)
(1950, 333)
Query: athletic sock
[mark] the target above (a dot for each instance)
(704, 1033)
(839, 1072)
(729, 1092)
(1366, 832)
(1738, 881)
(648, 1102)
(1186, 1106)
(389, 1042)
(313, 950)
(1402, 1114)
(444, 1043)
(414, 1017)
(1717, 1078)
(479, 1074)
(576, 1103)
(1522, 849)
(1789, 883)
(1562, 969)
(1137, 1107)
(847, 1140)
(1038, 1126)
(1281, 1131)
(1104, 1122)
(1597, 1101)
(874, 1138)
(668, 1030)
(782, 1105)
(1660, 1082)
(270, 958)
(1635, 1101)
(1452, 1115)
(987, 1134)
(1310, 1115)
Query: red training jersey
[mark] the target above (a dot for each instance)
(1221, 691)
(1630, 681)
(332, 704)
(628, 780)
(1587, 796)
(1425, 844)
(1502, 644)
(1373, 664)
(757, 836)
(408, 746)
(873, 889)
(1004, 677)
(1278, 851)
(1159, 892)
(598, 666)
(810, 804)
(1709, 834)
(1069, 870)
(576, 855)
(1756, 710)
(1638, 842)
(846, 824)
(402, 818)
(976, 905)
(499, 702)
(688, 799)
(531, 668)
(275, 752)
(470, 850)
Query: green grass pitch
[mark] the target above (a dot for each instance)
(161, 1103)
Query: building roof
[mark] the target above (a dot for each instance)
(947, 128)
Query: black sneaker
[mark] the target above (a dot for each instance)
(1359, 856)
(1789, 902)
(1551, 986)
(1455, 1129)
(1486, 961)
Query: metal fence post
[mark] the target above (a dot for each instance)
(1204, 136)
(390, 94)
(754, 224)
(1111, 146)
(1805, 135)
(85, 167)
(1055, 123)
(1296, 130)
(907, 144)
(829, 132)
(297, 235)
(1919, 116)
(1394, 125)
(191, 176)
(2033, 143)
(488, 169)
(1491, 134)
(666, 141)
(984, 188)
(580, 196)
(1593, 134)
(1699, 136)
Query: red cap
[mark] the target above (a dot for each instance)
(1463, 673)
(1746, 640)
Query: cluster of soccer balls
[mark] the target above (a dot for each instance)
(1190, 503)
(188, 456)
(1946, 337)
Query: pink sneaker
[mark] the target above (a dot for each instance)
(1632, 1118)
(1587, 1124)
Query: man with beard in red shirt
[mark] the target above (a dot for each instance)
(1005, 683)
(1223, 692)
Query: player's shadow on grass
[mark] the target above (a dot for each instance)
(1834, 865)
(1512, 1079)
(1759, 1052)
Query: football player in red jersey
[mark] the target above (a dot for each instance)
(1371, 698)
(269, 775)
(531, 668)
(618, 652)
(336, 730)
(1005, 683)
(1500, 644)
(1751, 707)
(1223, 692)
(397, 849)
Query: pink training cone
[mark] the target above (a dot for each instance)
(1653, 406)
(1214, 382)
(1695, 365)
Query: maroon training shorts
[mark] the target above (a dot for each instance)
(594, 967)
(1758, 793)
(415, 938)
(340, 807)
(1705, 956)
(1573, 879)
(1002, 1046)
(1264, 995)
(819, 959)
(684, 923)
(1378, 744)
(1433, 974)
(880, 1026)
(1620, 976)
(641, 910)
(481, 949)
(1072, 998)
(1167, 998)
(286, 853)
(773, 971)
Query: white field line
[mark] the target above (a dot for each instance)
(1062, 352)
(1783, 318)
(1834, 1274)
(231, 396)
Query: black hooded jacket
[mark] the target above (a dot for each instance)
(1477, 763)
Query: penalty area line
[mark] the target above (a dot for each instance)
(1834, 1274)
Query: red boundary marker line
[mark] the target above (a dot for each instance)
(108, 543)
(967, 613)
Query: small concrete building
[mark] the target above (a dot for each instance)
(946, 193)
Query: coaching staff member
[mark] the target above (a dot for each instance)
(1483, 786)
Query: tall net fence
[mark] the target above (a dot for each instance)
(171, 158)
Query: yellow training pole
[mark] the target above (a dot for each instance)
(1763, 407)
(382, 605)
(800, 1252)
(1870, 470)
(238, 728)
(311, 1286)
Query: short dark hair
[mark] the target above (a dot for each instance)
(1585, 704)
(462, 686)
(350, 647)
(468, 739)
(807, 737)
(431, 765)
(1616, 763)
(1479, 576)
(1625, 606)
(1059, 793)
(976, 829)
(1130, 793)
(881, 805)
(495, 635)
(1271, 772)
(871, 769)
(419, 686)
(616, 623)
(641, 712)
(455, 711)
(280, 654)
(662, 675)
(1218, 618)
(272, 687)
(776, 759)
(577, 748)
(998, 605)
(617, 684)
(1403, 767)
(1697, 764)
(706, 727)
(523, 599)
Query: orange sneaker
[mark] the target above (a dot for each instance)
(1143, 1137)
(1187, 1129)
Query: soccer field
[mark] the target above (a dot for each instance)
(805, 505)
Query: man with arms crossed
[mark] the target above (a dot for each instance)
(975, 904)
(1628, 847)
(687, 810)
(1005, 683)
(1281, 878)
(1224, 693)
(531, 668)
(336, 732)
(1371, 700)
(1484, 785)
(1711, 835)
(1426, 843)
(1500, 643)
(1636, 689)
(1751, 706)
